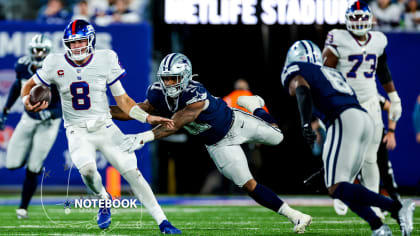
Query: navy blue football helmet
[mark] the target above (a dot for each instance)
(359, 18)
(79, 30)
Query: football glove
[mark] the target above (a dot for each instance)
(132, 142)
(308, 134)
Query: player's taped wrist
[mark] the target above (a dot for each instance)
(393, 96)
(147, 136)
(24, 98)
(138, 114)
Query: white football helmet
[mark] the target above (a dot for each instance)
(39, 47)
(359, 18)
(304, 51)
(175, 65)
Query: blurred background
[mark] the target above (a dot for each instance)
(226, 40)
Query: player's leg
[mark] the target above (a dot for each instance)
(17, 152)
(250, 129)
(231, 161)
(386, 172)
(44, 136)
(254, 104)
(126, 164)
(343, 139)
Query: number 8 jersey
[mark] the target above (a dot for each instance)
(82, 88)
(331, 94)
(358, 61)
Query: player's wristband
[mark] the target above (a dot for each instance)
(24, 98)
(393, 96)
(137, 113)
(391, 130)
(148, 136)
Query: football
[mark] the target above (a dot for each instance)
(39, 93)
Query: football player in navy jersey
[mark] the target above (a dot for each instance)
(221, 129)
(333, 99)
(36, 132)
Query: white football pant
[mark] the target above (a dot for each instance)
(228, 155)
(32, 139)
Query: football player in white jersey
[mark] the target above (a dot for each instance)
(359, 54)
(82, 76)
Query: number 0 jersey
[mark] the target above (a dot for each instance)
(330, 93)
(82, 88)
(211, 125)
(358, 61)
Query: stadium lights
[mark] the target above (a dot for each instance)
(232, 12)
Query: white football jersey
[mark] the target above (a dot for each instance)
(82, 88)
(358, 61)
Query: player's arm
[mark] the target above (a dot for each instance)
(130, 108)
(389, 137)
(180, 118)
(384, 76)
(118, 114)
(14, 93)
(329, 58)
(24, 93)
(300, 88)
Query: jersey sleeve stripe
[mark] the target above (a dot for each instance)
(40, 79)
(118, 78)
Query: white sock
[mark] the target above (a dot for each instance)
(93, 180)
(289, 212)
(144, 193)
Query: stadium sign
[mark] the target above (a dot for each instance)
(252, 12)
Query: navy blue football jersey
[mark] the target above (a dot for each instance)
(330, 92)
(211, 125)
(24, 72)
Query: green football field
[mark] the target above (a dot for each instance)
(192, 220)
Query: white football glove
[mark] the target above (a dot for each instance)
(132, 142)
(395, 109)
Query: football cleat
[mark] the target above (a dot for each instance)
(301, 222)
(104, 216)
(251, 103)
(405, 217)
(167, 228)
(384, 230)
(340, 208)
(22, 214)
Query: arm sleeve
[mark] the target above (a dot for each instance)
(13, 94)
(384, 75)
(116, 71)
(416, 118)
(304, 101)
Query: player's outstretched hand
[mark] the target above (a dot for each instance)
(156, 120)
(389, 139)
(132, 142)
(309, 135)
(36, 107)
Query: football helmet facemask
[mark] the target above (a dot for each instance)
(176, 70)
(304, 51)
(79, 30)
(39, 48)
(359, 18)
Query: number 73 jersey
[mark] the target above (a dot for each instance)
(358, 61)
(83, 87)
(331, 94)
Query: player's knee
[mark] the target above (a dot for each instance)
(274, 138)
(332, 189)
(250, 185)
(88, 170)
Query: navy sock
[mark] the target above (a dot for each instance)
(29, 187)
(261, 113)
(359, 195)
(367, 214)
(266, 197)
